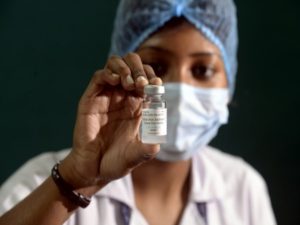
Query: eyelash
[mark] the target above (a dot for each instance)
(203, 71)
(199, 70)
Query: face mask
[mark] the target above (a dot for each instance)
(194, 117)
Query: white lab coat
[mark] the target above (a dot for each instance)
(232, 192)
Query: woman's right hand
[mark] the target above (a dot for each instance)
(106, 143)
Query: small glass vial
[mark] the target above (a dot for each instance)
(154, 115)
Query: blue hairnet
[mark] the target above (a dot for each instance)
(136, 20)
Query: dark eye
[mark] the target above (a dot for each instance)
(202, 72)
(159, 69)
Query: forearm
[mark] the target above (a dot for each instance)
(45, 205)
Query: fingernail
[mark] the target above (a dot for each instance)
(115, 76)
(142, 80)
(156, 80)
(129, 80)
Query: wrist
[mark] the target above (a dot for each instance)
(81, 184)
(67, 190)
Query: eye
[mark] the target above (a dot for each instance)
(203, 71)
(160, 69)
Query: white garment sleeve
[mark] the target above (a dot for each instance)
(27, 178)
(260, 208)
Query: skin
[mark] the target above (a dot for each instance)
(107, 126)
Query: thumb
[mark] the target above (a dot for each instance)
(142, 153)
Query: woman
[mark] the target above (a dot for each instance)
(191, 47)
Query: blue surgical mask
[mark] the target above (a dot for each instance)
(194, 117)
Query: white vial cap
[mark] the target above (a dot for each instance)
(154, 89)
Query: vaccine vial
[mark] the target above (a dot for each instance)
(154, 115)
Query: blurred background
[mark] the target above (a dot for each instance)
(50, 49)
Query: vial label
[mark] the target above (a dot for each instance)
(154, 122)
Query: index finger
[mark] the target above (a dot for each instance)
(99, 79)
(153, 79)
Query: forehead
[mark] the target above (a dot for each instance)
(180, 36)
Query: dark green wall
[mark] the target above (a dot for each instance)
(49, 50)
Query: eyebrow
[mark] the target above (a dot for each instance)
(195, 54)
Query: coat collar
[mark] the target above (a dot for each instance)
(207, 183)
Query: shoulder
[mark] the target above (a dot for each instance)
(27, 178)
(238, 185)
(231, 167)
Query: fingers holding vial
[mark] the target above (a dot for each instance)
(133, 73)
(137, 76)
